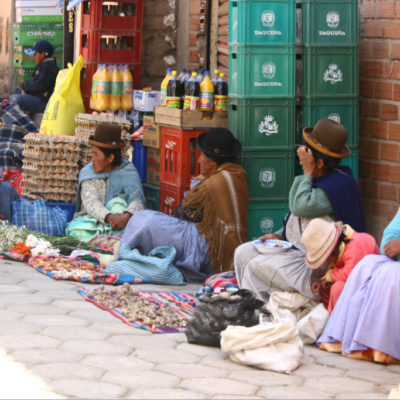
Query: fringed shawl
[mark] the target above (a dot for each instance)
(223, 199)
(123, 181)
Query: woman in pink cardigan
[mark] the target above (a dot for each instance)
(336, 248)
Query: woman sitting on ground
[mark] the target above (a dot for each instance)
(212, 220)
(109, 188)
(365, 322)
(336, 249)
(325, 190)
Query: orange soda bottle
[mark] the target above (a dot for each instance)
(99, 99)
(127, 89)
(164, 85)
(206, 93)
(116, 86)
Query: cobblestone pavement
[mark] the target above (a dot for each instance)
(53, 344)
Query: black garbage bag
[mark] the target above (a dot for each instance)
(214, 312)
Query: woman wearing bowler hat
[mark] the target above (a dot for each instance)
(212, 220)
(109, 188)
(325, 190)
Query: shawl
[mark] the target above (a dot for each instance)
(123, 182)
(223, 199)
(344, 195)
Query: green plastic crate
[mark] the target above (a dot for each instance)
(262, 124)
(333, 23)
(352, 162)
(28, 34)
(265, 218)
(262, 71)
(330, 72)
(152, 196)
(344, 111)
(270, 174)
(261, 22)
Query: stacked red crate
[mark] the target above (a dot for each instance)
(178, 164)
(111, 33)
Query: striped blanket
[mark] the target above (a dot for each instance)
(183, 303)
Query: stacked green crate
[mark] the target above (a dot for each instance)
(262, 107)
(25, 35)
(330, 66)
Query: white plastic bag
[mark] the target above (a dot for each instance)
(272, 346)
(309, 316)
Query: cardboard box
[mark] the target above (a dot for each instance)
(151, 132)
(28, 34)
(39, 14)
(146, 100)
(153, 166)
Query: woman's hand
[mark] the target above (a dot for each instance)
(392, 248)
(118, 221)
(307, 159)
(315, 287)
(270, 236)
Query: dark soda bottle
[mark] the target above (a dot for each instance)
(221, 94)
(192, 93)
(174, 92)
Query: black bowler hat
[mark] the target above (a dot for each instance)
(219, 143)
(108, 136)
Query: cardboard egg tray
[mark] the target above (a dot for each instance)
(93, 120)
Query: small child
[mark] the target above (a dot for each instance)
(39, 88)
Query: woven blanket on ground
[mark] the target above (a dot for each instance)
(222, 281)
(65, 268)
(181, 303)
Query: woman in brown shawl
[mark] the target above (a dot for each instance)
(212, 219)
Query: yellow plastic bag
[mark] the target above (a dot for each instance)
(65, 102)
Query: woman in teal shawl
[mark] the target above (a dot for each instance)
(109, 188)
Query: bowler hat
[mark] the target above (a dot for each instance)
(328, 137)
(41, 46)
(320, 239)
(219, 143)
(108, 136)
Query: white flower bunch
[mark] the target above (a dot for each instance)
(41, 247)
(10, 235)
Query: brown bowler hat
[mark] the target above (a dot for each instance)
(328, 137)
(108, 136)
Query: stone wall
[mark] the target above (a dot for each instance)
(5, 46)
(174, 35)
(379, 111)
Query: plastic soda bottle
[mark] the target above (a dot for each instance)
(100, 89)
(215, 77)
(206, 93)
(174, 95)
(116, 89)
(127, 89)
(192, 94)
(200, 76)
(221, 94)
(164, 84)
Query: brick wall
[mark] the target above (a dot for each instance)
(379, 111)
(197, 33)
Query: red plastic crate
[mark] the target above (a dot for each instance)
(179, 155)
(92, 51)
(170, 196)
(87, 73)
(93, 18)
